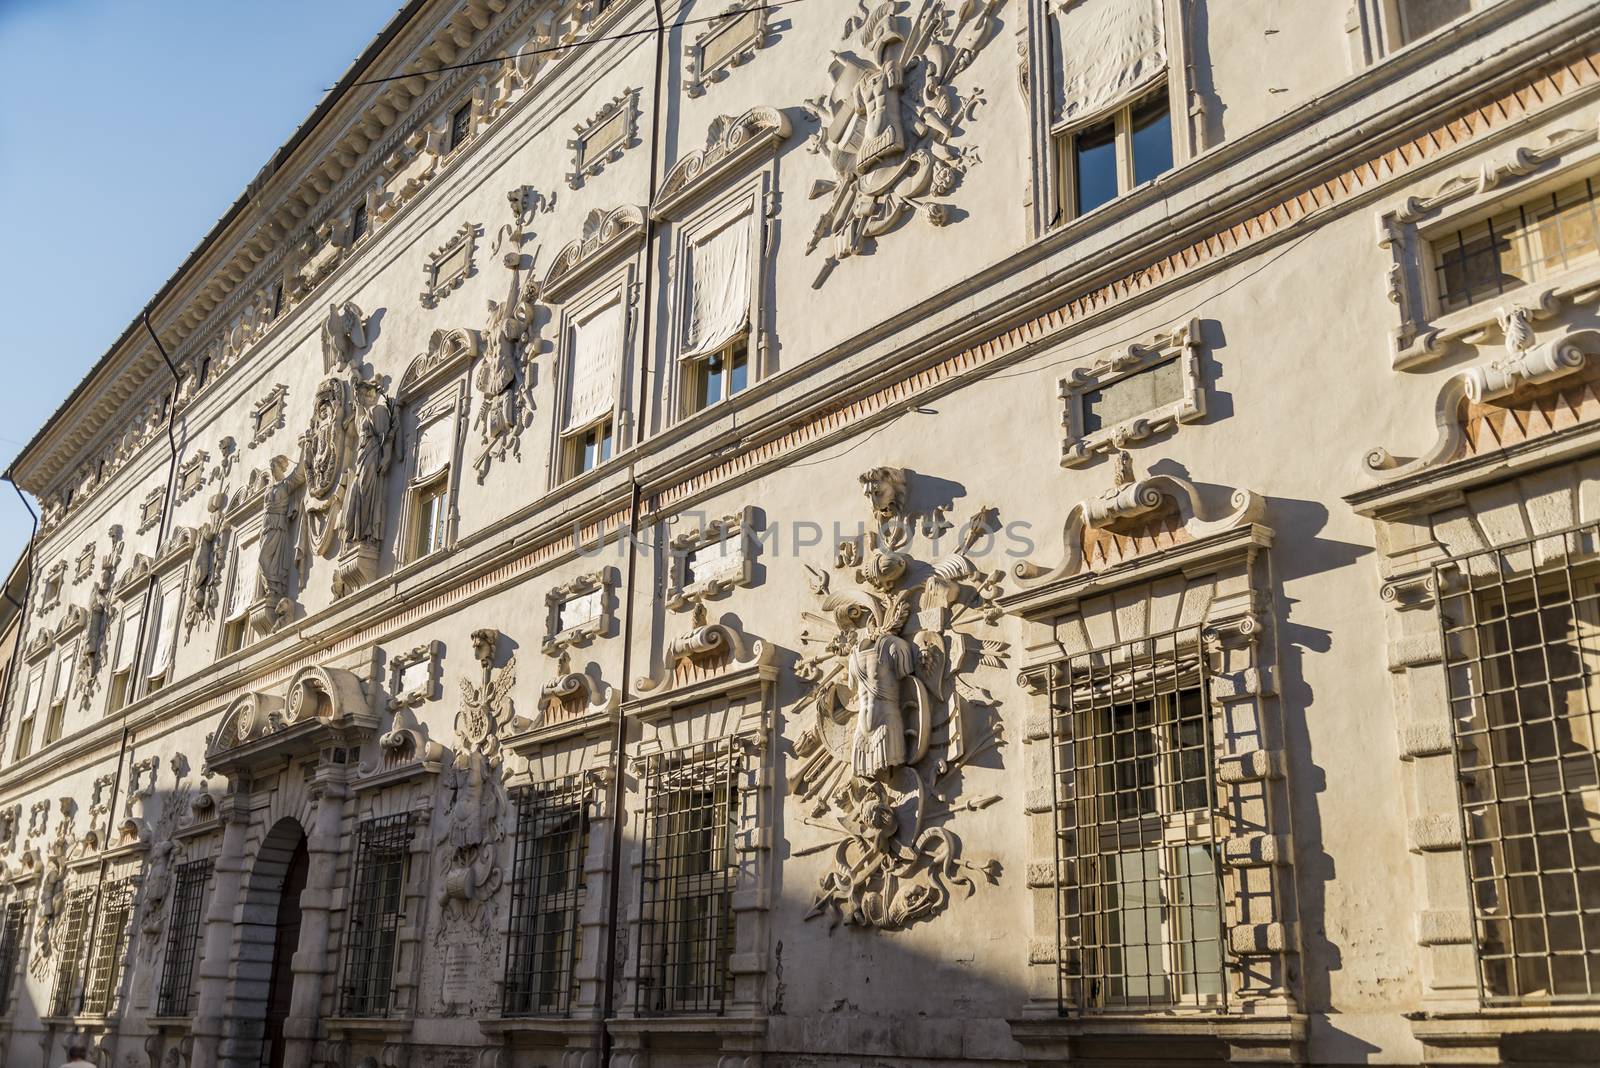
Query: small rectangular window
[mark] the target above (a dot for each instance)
(183, 937)
(547, 894)
(1530, 243)
(382, 850)
(432, 515)
(1113, 155)
(358, 221)
(460, 126)
(720, 375)
(691, 820)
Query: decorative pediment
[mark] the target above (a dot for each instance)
(731, 144)
(447, 351)
(320, 706)
(572, 696)
(137, 572)
(1136, 519)
(404, 752)
(1531, 391)
(708, 658)
(607, 235)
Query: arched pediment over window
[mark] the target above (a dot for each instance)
(321, 707)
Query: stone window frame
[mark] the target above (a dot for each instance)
(447, 402)
(51, 584)
(192, 468)
(83, 564)
(618, 285)
(267, 414)
(588, 161)
(1421, 335)
(1036, 32)
(558, 639)
(698, 76)
(1219, 583)
(248, 525)
(152, 508)
(1182, 344)
(171, 573)
(734, 527)
(1374, 29)
(437, 286)
(430, 654)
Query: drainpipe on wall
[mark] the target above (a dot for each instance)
(619, 754)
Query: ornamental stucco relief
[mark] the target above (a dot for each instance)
(889, 118)
(893, 715)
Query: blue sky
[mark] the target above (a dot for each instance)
(128, 129)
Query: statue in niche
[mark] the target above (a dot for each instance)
(504, 378)
(893, 718)
(205, 565)
(888, 117)
(97, 617)
(277, 545)
(344, 455)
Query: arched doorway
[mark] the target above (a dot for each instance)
(268, 935)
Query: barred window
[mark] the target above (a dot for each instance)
(12, 933)
(1534, 241)
(547, 892)
(74, 920)
(110, 945)
(183, 937)
(1521, 630)
(383, 846)
(1139, 922)
(691, 820)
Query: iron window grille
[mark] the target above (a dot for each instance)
(691, 817)
(110, 945)
(382, 851)
(547, 893)
(1139, 920)
(74, 922)
(11, 935)
(183, 937)
(1521, 640)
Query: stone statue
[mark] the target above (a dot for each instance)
(362, 521)
(205, 565)
(277, 546)
(344, 332)
(507, 405)
(879, 665)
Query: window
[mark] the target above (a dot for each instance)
(124, 664)
(1139, 922)
(358, 221)
(110, 946)
(164, 617)
(716, 328)
(1418, 18)
(74, 922)
(12, 933)
(430, 486)
(691, 820)
(1529, 243)
(461, 126)
(431, 514)
(183, 937)
(1521, 631)
(30, 714)
(241, 592)
(375, 915)
(1114, 155)
(547, 892)
(55, 723)
(589, 449)
(594, 357)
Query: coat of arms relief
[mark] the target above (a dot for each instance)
(892, 716)
(890, 119)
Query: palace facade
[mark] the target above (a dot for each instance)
(839, 532)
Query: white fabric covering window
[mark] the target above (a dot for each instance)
(127, 638)
(596, 355)
(244, 580)
(719, 289)
(164, 619)
(1110, 50)
(433, 447)
(35, 690)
